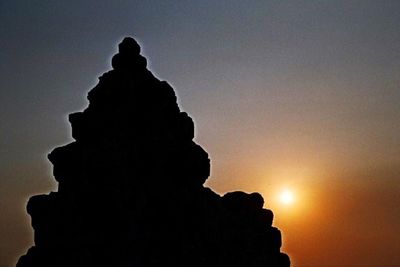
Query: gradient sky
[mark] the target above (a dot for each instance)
(285, 94)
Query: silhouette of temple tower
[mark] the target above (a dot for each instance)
(131, 188)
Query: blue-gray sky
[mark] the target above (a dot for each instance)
(298, 94)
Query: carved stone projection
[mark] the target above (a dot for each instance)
(130, 187)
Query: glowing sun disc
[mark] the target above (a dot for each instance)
(286, 197)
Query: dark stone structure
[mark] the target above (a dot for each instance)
(131, 187)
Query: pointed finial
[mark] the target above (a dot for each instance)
(128, 57)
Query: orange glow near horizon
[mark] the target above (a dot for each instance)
(293, 192)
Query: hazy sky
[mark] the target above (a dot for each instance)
(285, 94)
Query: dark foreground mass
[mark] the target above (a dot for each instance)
(131, 187)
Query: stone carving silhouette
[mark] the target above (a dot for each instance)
(130, 187)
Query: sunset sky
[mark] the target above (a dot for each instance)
(296, 96)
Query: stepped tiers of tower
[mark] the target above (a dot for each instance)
(131, 187)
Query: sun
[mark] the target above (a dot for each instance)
(286, 197)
